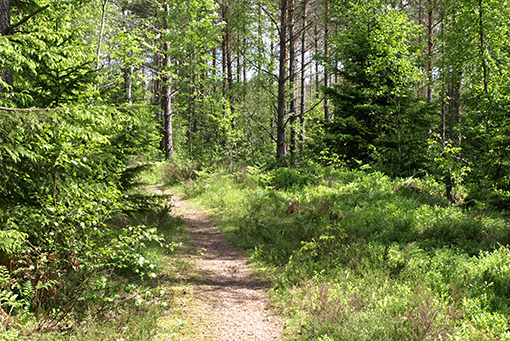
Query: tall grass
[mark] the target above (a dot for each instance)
(360, 256)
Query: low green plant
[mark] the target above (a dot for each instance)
(175, 174)
(355, 255)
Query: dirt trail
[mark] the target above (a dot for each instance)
(218, 297)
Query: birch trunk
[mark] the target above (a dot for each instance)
(292, 81)
(167, 95)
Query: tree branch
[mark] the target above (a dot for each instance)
(250, 116)
(9, 29)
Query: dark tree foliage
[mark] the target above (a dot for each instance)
(377, 118)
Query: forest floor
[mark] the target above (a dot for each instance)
(216, 295)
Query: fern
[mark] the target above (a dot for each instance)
(4, 278)
(27, 291)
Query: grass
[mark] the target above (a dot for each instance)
(351, 255)
(360, 256)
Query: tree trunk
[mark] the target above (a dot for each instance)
(292, 81)
(230, 77)
(214, 70)
(167, 94)
(482, 52)
(169, 136)
(421, 86)
(326, 55)
(128, 84)
(157, 84)
(238, 59)
(192, 127)
(454, 111)
(317, 53)
(224, 53)
(485, 73)
(451, 114)
(430, 48)
(449, 187)
(244, 62)
(228, 47)
(260, 49)
(101, 33)
(5, 15)
(281, 148)
(302, 107)
(5, 23)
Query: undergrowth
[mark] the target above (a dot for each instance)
(355, 255)
(117, 304)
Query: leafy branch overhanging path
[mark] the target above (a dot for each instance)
(219, 298)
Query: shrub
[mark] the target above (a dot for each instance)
(65, 176)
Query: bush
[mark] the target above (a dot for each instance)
(64, 179)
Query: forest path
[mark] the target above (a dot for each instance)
(216, 295)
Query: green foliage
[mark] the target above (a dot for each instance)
(64, 181)
(474, 100)
(46, 55)
(377, 119)
(447, 159)
(11, 241)
(174, 174)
